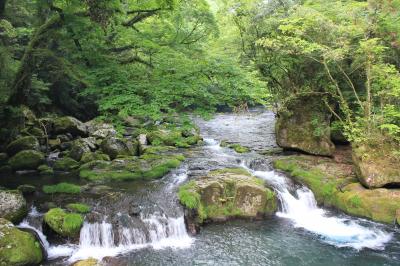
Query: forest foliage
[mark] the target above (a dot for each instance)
(350, 49)
(119, 58)
(116, 58)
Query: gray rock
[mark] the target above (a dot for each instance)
(115, 147)
(81, 146)
(304, 124)
(12, 205)
(142, 138)
(68, 124)
(100, 130)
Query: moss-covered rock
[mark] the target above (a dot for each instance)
(375, 166)
(54, 143)
(81, 146)
(88, 262)
(44, 169)
(68, 124)
(335, 184)
(78, 207)
(65, 188)
(115, 147)
(172, 137)
(238, 148)
(26, 160)
(225, 194)
(94, 156)
(12, 205)
(148, 166)
(18, 247)
(66, 164)
(100, 130)
(27, 189)
(63, 223)
(303, 123)
(3, 158)
(24, 143)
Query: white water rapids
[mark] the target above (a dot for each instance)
(303, 211)
(99, 240)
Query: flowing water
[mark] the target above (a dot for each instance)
(144, 223)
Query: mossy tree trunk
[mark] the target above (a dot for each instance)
(22, 82)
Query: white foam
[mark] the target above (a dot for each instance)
(304, 212)
(97, 240)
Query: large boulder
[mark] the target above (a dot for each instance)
(375, 167)
(303, 123)
(225, 194)
(66, 164)
(12, 205)
(68, 124)
(63, 223)
(148, 166)
(175, 137)
(26, 160)
(82, 146)
(115, 147)
(24, 143)
(18, 247)
(100, 130)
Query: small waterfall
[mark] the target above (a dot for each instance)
(99, 240)
(301, 207)
(34, 222)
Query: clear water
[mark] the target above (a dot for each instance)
(300, 234)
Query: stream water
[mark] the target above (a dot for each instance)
(153, 232)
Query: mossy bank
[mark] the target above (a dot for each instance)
(335, 184)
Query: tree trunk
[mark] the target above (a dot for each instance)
(22, 82)
(2, 7)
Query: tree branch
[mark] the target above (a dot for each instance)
(138, 18)
(143, 11)
(137, 59)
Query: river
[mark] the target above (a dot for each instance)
(154, 233)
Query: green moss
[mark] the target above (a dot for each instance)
(149, 166)
(344, 193)
(24, 143)
(239, 148)
(62, 188)
(94, 156)
(203, 197)
(188, 196)
(172, 137)
(26, 160)
(26, 189)
(66, 164)
(78, 207)
(45, 170)
(65, 224)
(18, 247)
